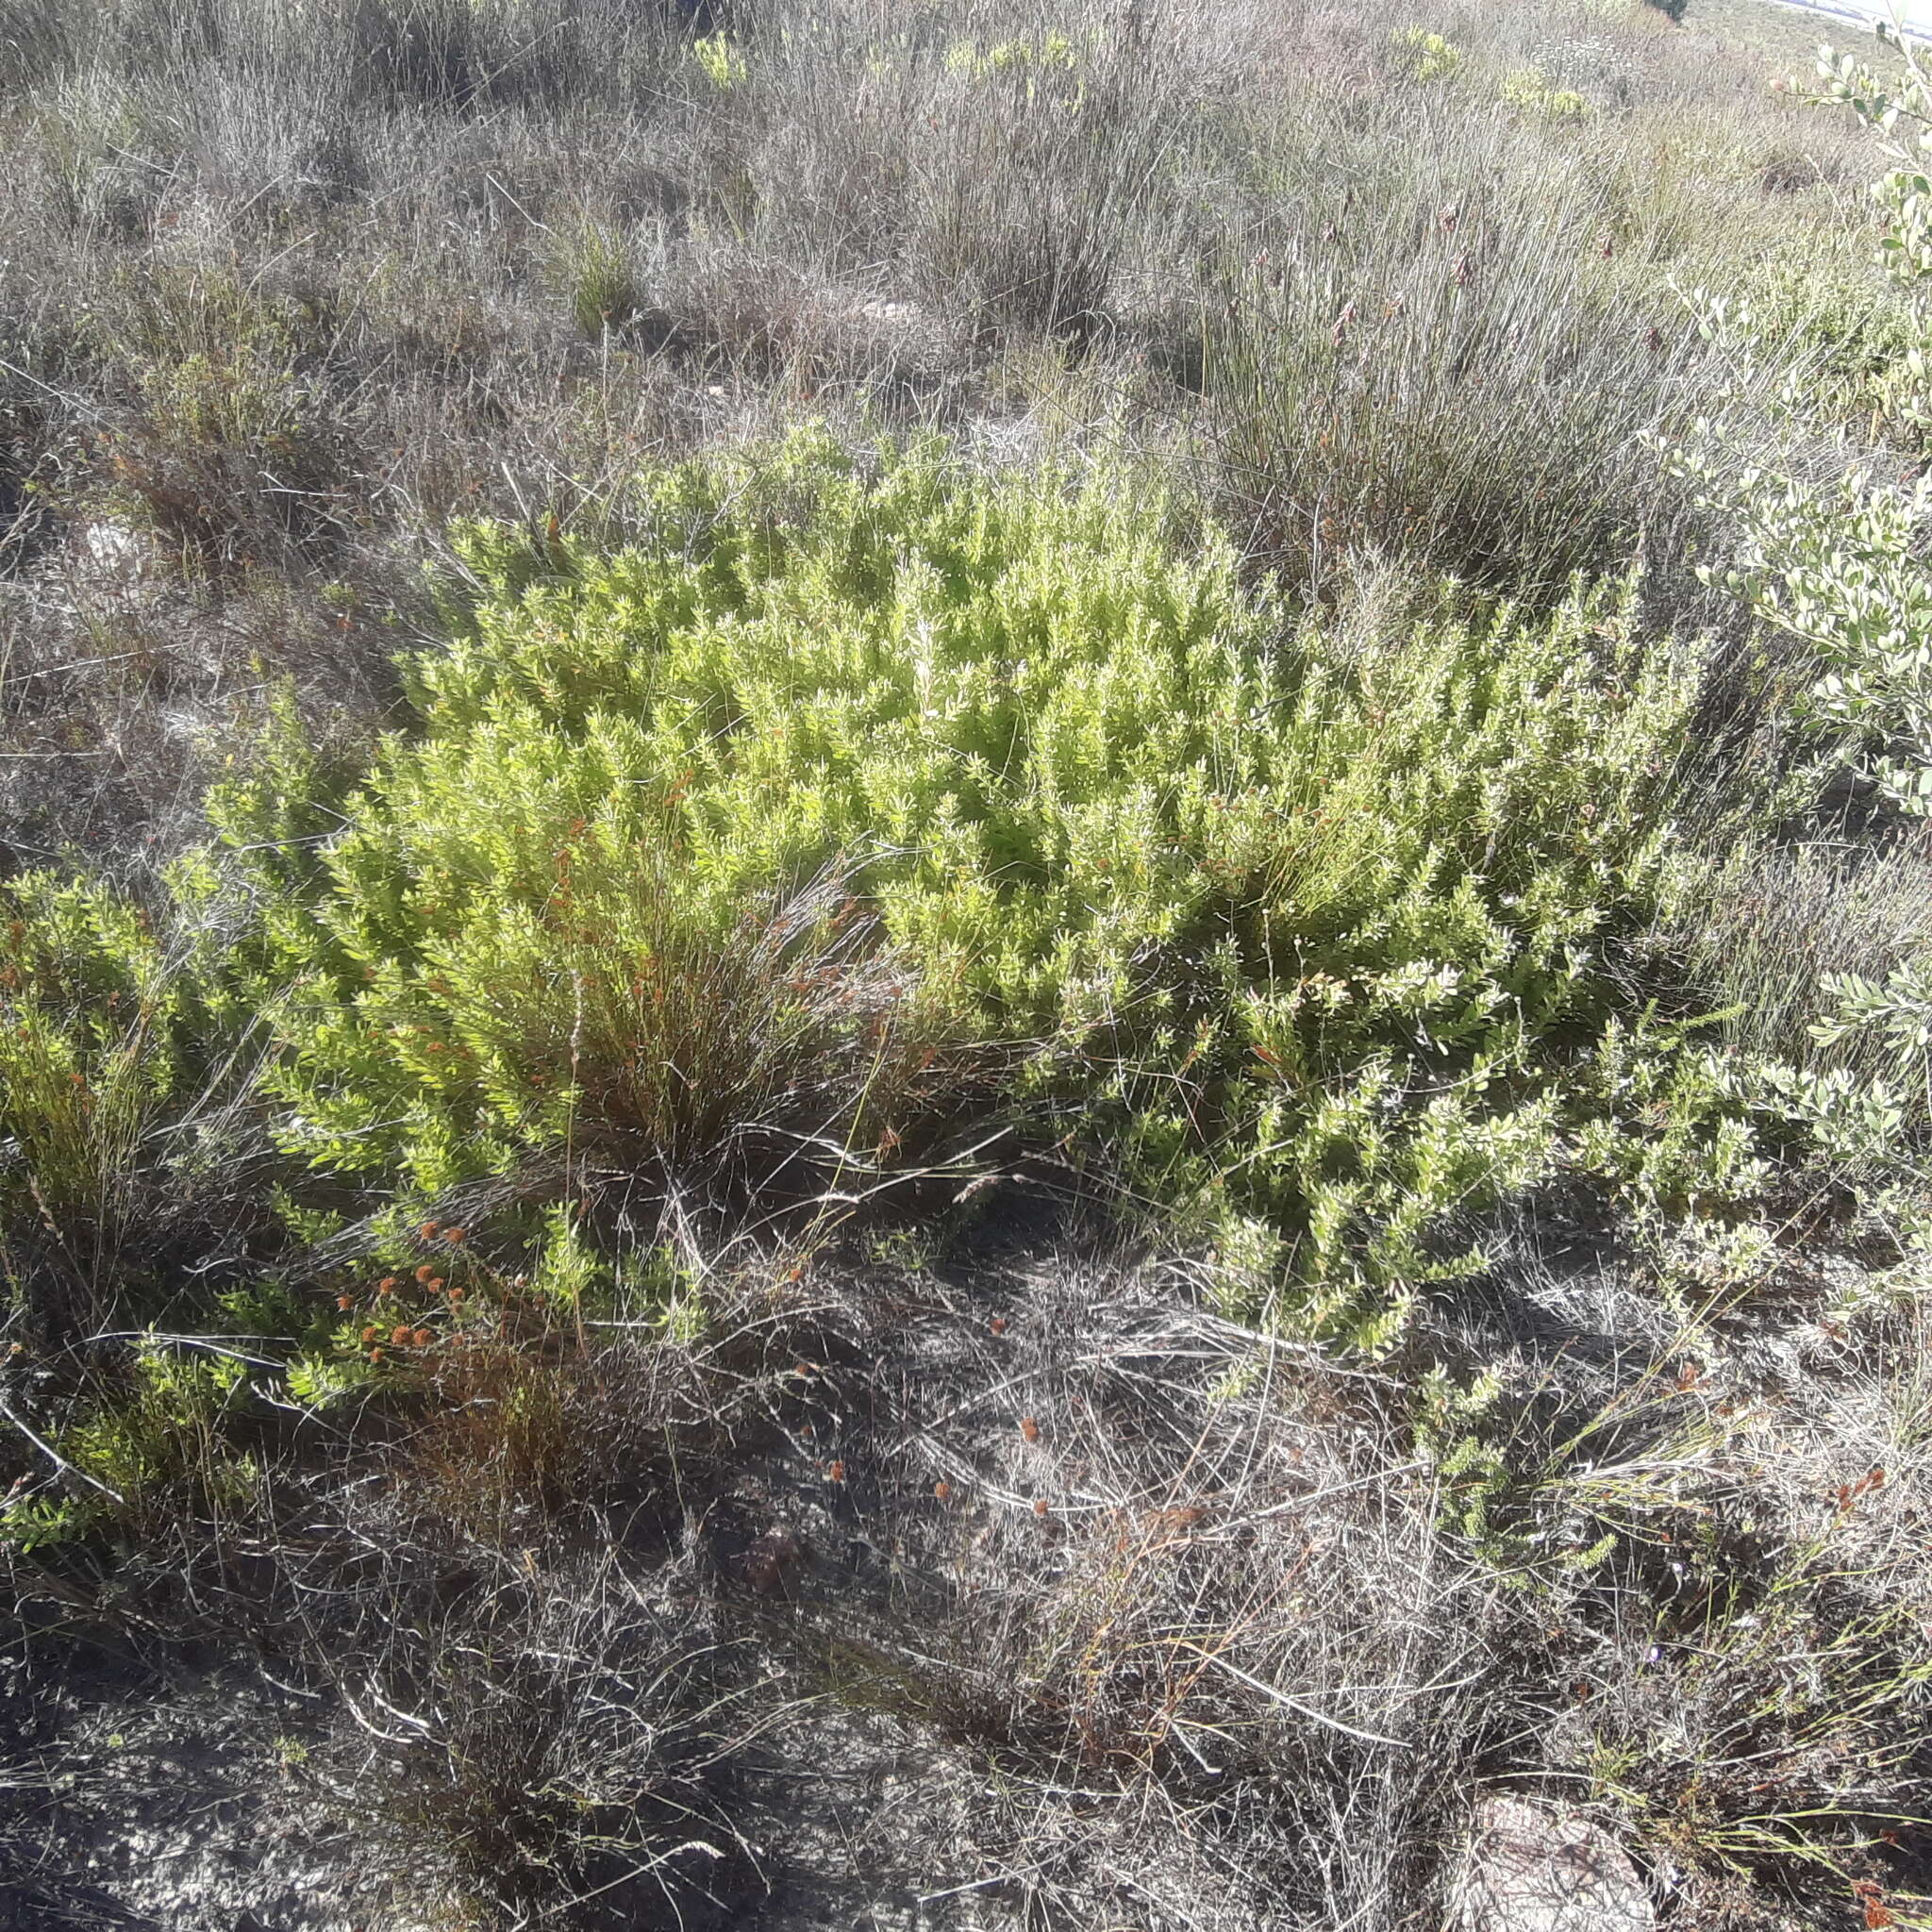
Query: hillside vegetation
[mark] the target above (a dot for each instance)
(965, 965)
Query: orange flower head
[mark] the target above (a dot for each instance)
(428, 1229)
(435, 1284)
(424, 1273)
(375, 1355)
(387, 1284)
(344, 1302)
(1039, 1506)
(368, 1336)
(423, 1338)
(399, 1336)
(998, 1324)
(1030, 1428)
(455, 1236)
(836, 1473)
(944, 1492)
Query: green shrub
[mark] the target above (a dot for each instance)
(166, 1430)
(1530, 91)
(1838, 566)
(1424, 55)
(153, 1440)
(88, 1046)
(118, 1079)
(765, 845)
(852, 799)
(723, 66)
(1847, 344)
(600, 277)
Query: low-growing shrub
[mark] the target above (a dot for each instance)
(853, 797)
(414, 1203)
(227, 450)
(1424, 55)
(124, 1079)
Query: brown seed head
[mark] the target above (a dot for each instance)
(423, 1338)
(1030, 1428)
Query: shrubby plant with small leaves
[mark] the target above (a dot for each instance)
(1839, 566)
(856, 797)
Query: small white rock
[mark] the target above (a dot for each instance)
(1529, 1868)
(114, 547)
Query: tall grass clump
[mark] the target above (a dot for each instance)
(1461, 380)
(1013, 177)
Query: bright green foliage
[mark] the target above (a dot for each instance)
(142, 1447)
(1530, 91)
(130, 1047)
(1426, 56)
(166, 1429)
(721, 63)
(839, 795)
(1045, 74)
(1053, 50)
(600, 278)
(95, 1022)
(855, 798)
